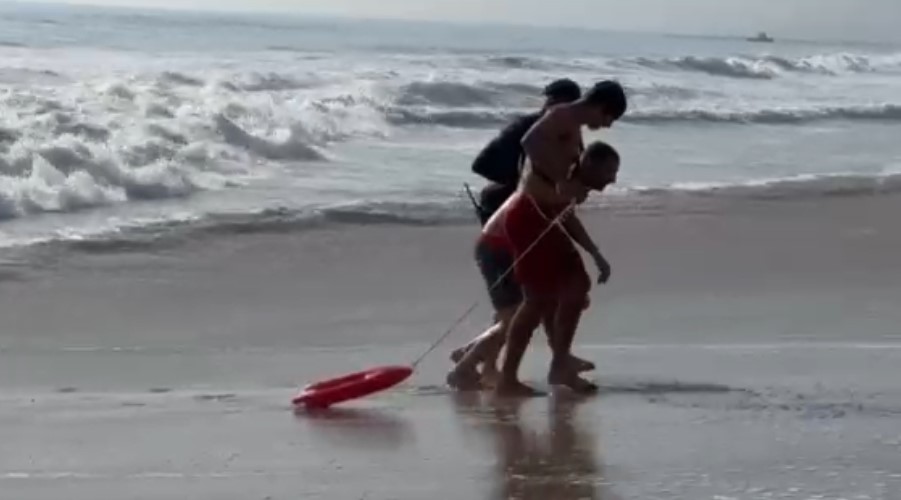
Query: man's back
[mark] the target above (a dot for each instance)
(499, 160)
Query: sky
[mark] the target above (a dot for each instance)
(874, 20)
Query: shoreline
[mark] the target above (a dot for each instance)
(763, 274)
(747, 354)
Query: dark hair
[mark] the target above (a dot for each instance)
(605, 162)
(599, 151)
(609, 94)
(563, 90)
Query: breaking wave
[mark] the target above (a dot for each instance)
(75, 135)
(770, 66)
(885, 112)
(66, 149)
(452, 210)
(787, 188)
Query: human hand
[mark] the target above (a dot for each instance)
(603, 268)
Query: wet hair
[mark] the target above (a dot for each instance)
(601, 152)
(603, 159)
(563, 90)
(610, 95)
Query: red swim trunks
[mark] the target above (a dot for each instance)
(553, 262)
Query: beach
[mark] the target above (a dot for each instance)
(201, 213)
(740, 355)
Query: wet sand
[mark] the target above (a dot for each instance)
(747, 351)
(640, 439)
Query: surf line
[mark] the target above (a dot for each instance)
(555, 222)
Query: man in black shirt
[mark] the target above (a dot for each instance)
(500, 162)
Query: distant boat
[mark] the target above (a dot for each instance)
(761, 37)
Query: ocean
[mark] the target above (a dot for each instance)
(201, 213)
(116, 120)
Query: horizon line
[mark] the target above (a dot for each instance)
(300, 15)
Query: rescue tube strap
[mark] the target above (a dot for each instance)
(557, 220)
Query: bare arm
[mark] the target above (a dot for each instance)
(543, 146)
(574, 227)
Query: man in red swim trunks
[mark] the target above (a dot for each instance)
(550, 269)
(499, 162)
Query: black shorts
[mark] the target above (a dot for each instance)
(493, 263)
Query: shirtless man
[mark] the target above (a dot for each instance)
(551, 273)
(500, 162)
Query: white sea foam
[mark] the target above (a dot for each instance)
(98, 124)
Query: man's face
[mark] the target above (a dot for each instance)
(582, 193)
(599, 176)
(598, 118)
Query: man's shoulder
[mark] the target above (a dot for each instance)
(560, 112)
(521, 124)
(530, 118)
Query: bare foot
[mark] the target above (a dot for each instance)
(580, 365)
(464, 380)
(581, 386)
(458, 353)
(515, 388)
(573, 382)
(490, 378)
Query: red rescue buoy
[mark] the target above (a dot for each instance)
(356, 385)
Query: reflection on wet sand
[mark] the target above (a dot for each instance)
(557, 461)
(358, 428)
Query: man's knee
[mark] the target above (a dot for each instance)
(576, 288)
(506, 314)
(538, 305)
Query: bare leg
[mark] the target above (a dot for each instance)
(577, 364)
(547, 321)
(490, 351)
(465, 375)
(525, 321)
(569, 312)
(458, 353)
(566, 321)
(483, 349)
